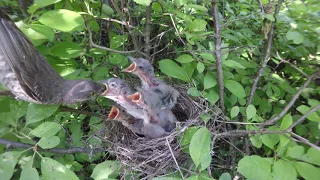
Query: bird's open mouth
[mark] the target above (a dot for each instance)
(131, 68)
(106, 91)
(114, 113)
(136, 97)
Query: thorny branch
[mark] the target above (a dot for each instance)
(266, 57)
(217, 43)
(12, 144)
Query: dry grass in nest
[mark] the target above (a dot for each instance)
(145, 158)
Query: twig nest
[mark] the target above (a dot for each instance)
(154, 157)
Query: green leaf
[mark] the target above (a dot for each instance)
(234, 111)
(107, 9)
(235, 88)
(197, 25)
(295, 152)
(312, 156)
(185, 58)
(254, 167)
(307, 171)
(211, 96)
(303, 109)
(205, 117)
(208, 56)
(283, 170)
(225, 176)
(193, 91)
(295, 36)
(200, 146)
(286, 122)
(256, 141)
(46, 129)
(269, 16)
(67, 50)
(53, 170)
(8, 161)
(105, 169)
(63, 20)
(209, 81)
(143, 2)
(29, 173)
(44, 30)
(251, 111)
(38, 112)
(233, 64)
(266, 140)
(172, 69)
(49, 142)
(187, 136)
(35, 37)
(37, 4)
(265, 1)
(197, 7)
(200, 67)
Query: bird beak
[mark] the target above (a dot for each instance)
(136, 97)
(114, 113)
(106, 91)
(131, 68)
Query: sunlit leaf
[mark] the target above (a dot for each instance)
(234, 111)
(312, 156)
(209, 81)
(8, 161)
(49, 142)
(254, 167)
(295, 152)
(63, 20)
(46, 129)
(185, 58)
(53, 170)
(67, 49)
(235, 88)
(283, 170)
(212, 96)
(105, 169)
(143, 2)
(193, 91)
(37, 4)
(200, 67)
(172, 69)
(307, 171)
(295, 36)
(251, 111)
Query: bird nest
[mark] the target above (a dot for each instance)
(146, 158)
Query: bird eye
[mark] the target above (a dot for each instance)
(113, 85)
(92, 93)
(140, 67)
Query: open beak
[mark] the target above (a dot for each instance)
(105, 93)
(136, 97)
(114, 113)
(131, 68)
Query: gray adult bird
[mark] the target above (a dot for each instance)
(145, 71)
(136, 125)
(118, 90)
(27, 74)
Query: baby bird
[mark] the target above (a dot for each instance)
(136, 125)
(144, 70)
(118, 90)
(152, 113)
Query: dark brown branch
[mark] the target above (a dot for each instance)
(266, 57)
(217, 43)
(77, 111)
(305, 141)
(290, 104)
(12, 144)
(292, 65)
(302, 118)
(148, 30)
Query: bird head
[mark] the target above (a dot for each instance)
(81, 90)
(115, 87)
(140, 67)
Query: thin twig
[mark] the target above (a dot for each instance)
(290, 104)
(114, 20)
(238, 19)
(174, 158)
(217, 43)
(12, 144)
(292, 65)
(266, 57)
(175, 27)
(304, 140)
(261, 6)
(302, 118)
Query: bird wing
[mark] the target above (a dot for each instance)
(37, 78)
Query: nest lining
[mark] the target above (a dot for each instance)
(147, 158)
